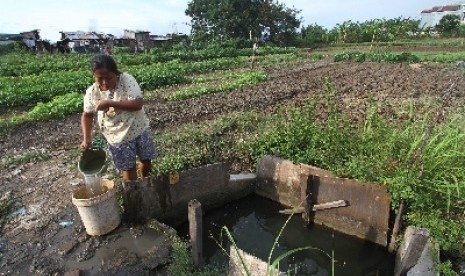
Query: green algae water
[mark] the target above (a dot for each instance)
(255, 222)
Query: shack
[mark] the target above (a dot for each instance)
(85, 42)
(30, 39)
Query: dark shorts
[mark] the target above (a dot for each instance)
(125, 155)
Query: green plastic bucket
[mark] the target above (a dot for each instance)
(92, 162)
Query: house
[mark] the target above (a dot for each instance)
(177, 38)
(431, 17)
(33, 41)
(140, 40)
(85, 42)
(30, 39)
(162, 40)
(6, 39)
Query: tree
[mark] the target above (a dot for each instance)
(314, 34)
(448, 25)
(283, 22)
(223, 19)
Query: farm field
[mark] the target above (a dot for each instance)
(41, 182)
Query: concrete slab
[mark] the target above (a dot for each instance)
(425, 264)
(242, 263)
(211, 185)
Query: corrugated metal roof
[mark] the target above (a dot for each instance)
(449, 8)
(442, 8)
(84, 35)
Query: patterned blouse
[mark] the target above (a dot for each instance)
(118, 126)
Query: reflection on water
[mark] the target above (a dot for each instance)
(255, 222)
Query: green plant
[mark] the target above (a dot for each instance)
(446, 269)
(5, 208)
(98, 143)
(59, 107)
(376, 57)
(29, 156)
(242, 79)
(182, 262)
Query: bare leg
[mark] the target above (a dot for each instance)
(130, 174)
(145, 168)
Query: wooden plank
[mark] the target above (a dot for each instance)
(366, 216)
(316, 207)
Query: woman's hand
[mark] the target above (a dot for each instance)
(85, 145)
(104, 105)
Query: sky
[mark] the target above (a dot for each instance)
(167, 16)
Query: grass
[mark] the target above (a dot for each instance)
(182, 263)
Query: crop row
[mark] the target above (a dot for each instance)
(240, 80)
(376, 57)
(25, 65)
(29, 90)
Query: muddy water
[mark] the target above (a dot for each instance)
(254, 223)
(123, 253)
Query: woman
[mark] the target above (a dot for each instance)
(117, 100)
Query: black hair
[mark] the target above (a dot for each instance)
(104, 62)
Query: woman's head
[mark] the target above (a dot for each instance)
(105, 71)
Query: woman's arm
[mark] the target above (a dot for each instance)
(86, 126)
(128, 105)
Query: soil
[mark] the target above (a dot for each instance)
(36, 238)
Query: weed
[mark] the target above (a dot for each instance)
(272, 267)
(29, 156)
(5, 209)
(182, 263)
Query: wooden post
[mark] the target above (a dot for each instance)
(195, 231)
(397, 225)
(303, 197)
(254, 53)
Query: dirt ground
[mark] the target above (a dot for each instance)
(36, 240)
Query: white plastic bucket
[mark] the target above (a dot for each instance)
(100, 214)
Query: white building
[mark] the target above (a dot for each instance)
(431, 17)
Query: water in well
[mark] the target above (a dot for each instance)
(255, 222)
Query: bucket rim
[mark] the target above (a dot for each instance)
(94, 153)
(110, 193)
